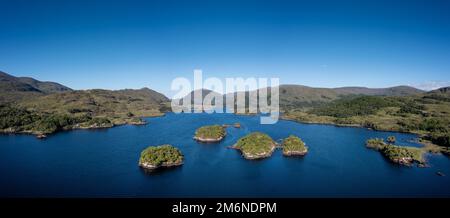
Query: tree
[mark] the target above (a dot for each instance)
(391, 139)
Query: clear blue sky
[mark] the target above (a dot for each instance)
(134, 44)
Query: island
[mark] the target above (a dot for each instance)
(255, 145)
(208, 134)
(404, 155)
(294, 146)
(155, 157)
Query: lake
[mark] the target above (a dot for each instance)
(104, 163)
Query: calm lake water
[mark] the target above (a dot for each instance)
(104, 163)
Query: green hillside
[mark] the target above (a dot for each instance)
(427, 114)
(28, 105)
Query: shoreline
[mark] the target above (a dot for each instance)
(421, 141)
(208, 140)
(41, 135)
(295, 153)
(149, 166)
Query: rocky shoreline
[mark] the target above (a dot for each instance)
(42, 135)
(149, 166)
(402, 155)
(256, 156)
(295, 153)
(208, 140)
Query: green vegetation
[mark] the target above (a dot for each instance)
(403, 154)
(426, 114)
(255, 145)
(375, 143)
(293, 145)
(391, 139)
(398, 154)
(31, 106)
(15, 119)
(360, 106)
(210, 133)
(163, 155)
(440, 138)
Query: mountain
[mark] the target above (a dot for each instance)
(27, 84)
(54, 104)
(443, 91)
(45, 87)
(295, 96)
(191, 96)
(299, 96)
(30, 91)
(13, 89)
(441, 94)
(392, 91)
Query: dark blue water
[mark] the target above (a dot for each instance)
(103, 163)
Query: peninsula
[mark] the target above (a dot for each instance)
(403, 155)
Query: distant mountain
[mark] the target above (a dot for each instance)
(443, 90)
(17, 88)
(10, 83)
(27, 84)
(291, 96)
(294, 96)
(299, 96)
(441, 94)
(192, 94)
(45, 87)
(51, 97)
(392, 91)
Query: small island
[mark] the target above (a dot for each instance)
(155, 157)
(294, 146)
(255, 145)
(208, 134)
(403, 155)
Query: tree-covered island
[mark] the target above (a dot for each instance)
(214, 133)
(403, 155)
(154, 157)
(294, 146)
(255, 145)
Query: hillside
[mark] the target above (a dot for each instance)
(13, 89)
(28, 105)
(392, 91)
(297, 96)
(304, 97)
(98, 102)
(427, 114)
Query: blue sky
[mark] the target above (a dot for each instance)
(133, 44)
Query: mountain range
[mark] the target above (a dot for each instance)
(37, 94)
